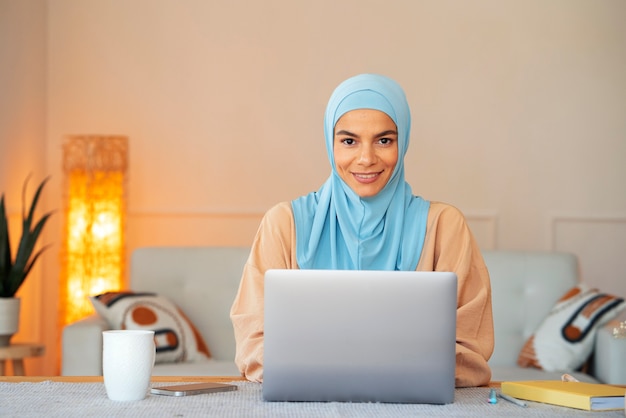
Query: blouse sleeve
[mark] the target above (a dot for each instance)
(450, 246)
(271, 248)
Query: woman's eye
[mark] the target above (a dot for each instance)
(347, 141)
(386, 141)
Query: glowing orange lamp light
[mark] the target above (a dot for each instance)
(93, 255)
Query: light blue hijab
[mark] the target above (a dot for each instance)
(337, 229)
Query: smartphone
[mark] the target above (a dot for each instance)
(192, 389)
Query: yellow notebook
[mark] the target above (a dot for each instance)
(589, 396)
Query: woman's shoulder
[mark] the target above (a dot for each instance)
(444, 208)
(446, 214)
(280, 210)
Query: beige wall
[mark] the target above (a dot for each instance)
(518, 111)
(23, 153)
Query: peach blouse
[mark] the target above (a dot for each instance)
(448, 246)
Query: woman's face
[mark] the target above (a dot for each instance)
(366, 150)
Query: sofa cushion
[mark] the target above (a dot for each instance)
(565, 338)
(176, 338)
(208, 367)
(515, 373)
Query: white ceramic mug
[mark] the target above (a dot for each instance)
(127, 361)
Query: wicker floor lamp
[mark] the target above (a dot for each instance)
(93, 254)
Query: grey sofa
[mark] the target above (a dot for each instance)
(203, 282)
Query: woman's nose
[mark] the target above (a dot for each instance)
(366, 155)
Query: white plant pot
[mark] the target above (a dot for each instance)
(9, 319)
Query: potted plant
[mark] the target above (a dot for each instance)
(13, 271)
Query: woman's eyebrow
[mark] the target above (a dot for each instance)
(344, 132)
(388, 132)
(384, 133)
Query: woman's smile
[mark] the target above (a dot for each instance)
(366, 178)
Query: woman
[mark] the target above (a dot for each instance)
(365, 216)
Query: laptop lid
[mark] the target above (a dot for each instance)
(370, 336)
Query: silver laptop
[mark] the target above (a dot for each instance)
(359, 336)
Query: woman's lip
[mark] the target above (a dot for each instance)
(366, 178)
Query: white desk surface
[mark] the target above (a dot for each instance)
(85, 396)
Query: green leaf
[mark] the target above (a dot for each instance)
(13, 273)
(5, 247)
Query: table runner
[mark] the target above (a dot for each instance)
(58, 399)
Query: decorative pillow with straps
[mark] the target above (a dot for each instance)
(565, 338)
(175, 337)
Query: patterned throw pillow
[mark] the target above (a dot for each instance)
(175, 337)
(565, 338)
